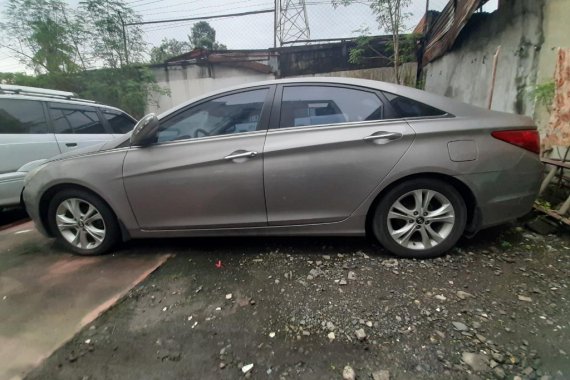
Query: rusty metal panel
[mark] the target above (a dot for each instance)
(558, 131)
(448, 26)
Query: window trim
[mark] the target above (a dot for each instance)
(264, 119)
(276, 111)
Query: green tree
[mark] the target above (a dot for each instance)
(41, 35)
(203, 36)
(168, 48)
(110, 46)
(391, 17)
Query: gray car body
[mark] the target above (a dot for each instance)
(306, 181)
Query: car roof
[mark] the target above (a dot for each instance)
(443, 103)
(58, 100)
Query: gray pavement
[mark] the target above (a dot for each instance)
(47, 295)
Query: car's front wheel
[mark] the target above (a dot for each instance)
(83, 222)
(420, 218)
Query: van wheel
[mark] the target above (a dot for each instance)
(420, 218)
(83, 222)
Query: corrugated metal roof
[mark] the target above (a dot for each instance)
(447, 27)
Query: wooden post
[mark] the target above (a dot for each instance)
(493, 77)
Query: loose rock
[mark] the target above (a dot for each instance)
(525, 299)
(464, 295)
(247, 368)
(477, 362)
(360, 334)
(381, 375)
(348, 373)
(459, 326)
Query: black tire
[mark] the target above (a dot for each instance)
(112, 229)
(380, 219)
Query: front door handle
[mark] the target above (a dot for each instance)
(235, 155)
(70, 144)
(384, 136)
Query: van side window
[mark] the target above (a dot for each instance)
(120, 123)
(22, 117)
(80, 120)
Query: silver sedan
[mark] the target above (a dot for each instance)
(297, 157)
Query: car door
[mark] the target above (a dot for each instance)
(206, 168)
(25, 135)
(328, 148)
(77, 126)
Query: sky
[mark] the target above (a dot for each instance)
(248, 32)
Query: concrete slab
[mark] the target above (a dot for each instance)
(47, 295)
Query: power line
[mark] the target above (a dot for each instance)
(201, 18)
(215, 6)
(147, 3)
(206, 7)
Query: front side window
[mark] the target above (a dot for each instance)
(406, 107)
(22, 117)
(236, 113)
(120, 123)
(322, 105)
(75, 120)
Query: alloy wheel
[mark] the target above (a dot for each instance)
(421, 219)
(80, 223)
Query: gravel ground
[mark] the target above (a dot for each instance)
(315, 308)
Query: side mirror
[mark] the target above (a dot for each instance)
(145, 130)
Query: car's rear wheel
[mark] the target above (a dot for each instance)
(83, 222)
(420, 218)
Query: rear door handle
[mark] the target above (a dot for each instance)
(70, 144)
(383, 135)
(235, 155)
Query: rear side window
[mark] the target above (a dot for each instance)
(322, 105)
(120, 123)
(406, 107)
(22, 117)
(79, 120)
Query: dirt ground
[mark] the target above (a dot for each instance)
(495, 307)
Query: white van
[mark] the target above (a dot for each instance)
(37, 123)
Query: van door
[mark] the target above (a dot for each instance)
(24, 134)
(77, 126)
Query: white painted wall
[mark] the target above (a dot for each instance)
(186, 82)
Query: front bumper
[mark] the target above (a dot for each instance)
(11, 185)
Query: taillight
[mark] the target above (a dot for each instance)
(526, 139)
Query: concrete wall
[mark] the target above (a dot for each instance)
(464, 73)
(183, 83)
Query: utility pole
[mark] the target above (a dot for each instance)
(124, 39)
(292, 22)
(277, 6)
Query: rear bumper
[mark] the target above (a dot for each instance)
(505, 195)
(11, 185)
